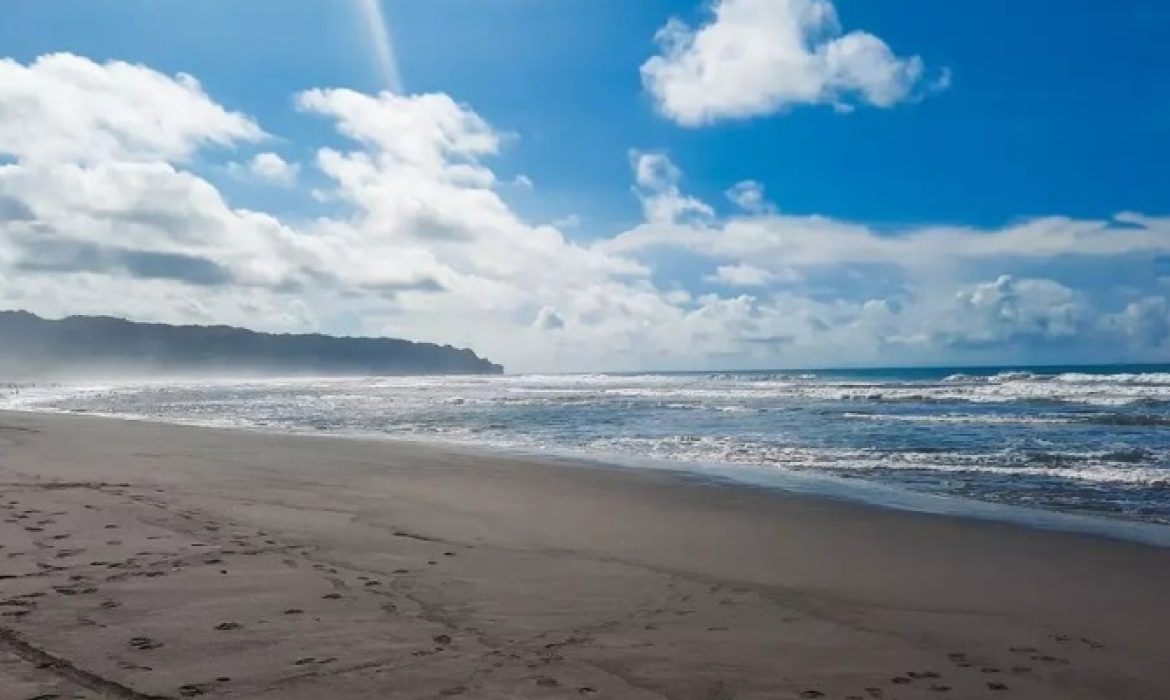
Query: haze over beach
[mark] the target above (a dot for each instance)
(689, 349)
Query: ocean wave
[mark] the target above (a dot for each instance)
(767, 391)
(1096, 473)
(974, 419)
(1135, 420)
(1139, 379)
(1127, 420)
(1123, 467)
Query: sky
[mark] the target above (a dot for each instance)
(590, 185)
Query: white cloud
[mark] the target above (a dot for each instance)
(548, 319)
(1145, 322)
(63, 107)
(1011, 310)
(819, 240)
(744, 275)
(431, 133)
(756, 57)
(656, 180)
(566, 223)
(749, 196)
(270, 168)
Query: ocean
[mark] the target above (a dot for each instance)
(1082, 440)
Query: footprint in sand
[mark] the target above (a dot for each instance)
(959, 659)
(812, 694)
(227, 626)
(144, 643)
(996, 686)
(194, 689)
(294, 611)
(75, 590)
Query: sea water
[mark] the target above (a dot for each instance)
(1092, 441)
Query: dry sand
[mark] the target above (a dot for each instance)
(141, 560)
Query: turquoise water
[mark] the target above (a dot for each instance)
(1092, 441)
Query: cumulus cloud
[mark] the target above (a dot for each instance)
(755, 57)
(1009, 310)
(749, 196)
(1145, 322)
(916, 294)
(656, 180)
(269, 168)
(63, 107)
(744, 275)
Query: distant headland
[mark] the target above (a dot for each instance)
(32, 347)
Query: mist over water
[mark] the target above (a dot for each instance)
(1091, 441)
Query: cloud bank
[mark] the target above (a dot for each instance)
(104, 210)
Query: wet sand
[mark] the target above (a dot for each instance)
(140, 560)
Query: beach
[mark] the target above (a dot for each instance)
(147, 560)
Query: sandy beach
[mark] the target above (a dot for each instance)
(142, 560)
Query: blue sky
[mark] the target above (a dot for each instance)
(1017, 113)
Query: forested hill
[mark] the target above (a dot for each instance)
(96, 346)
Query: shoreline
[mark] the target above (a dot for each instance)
(165, 558)
(860, 492)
